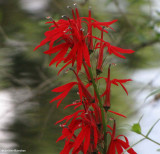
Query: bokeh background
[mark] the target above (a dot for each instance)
(26, 116)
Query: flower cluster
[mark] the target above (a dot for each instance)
(86, 129)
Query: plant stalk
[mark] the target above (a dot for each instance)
(101, 108)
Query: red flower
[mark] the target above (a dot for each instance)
(72, 33)
(96, 24)
(88, 132)
(83, 91)
(108, 88)
(113, 49)
(65, 90)
(117, 144)
(116, 50)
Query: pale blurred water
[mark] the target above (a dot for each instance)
(6, 116)
(149, 109)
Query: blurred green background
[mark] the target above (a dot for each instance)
(26, 80)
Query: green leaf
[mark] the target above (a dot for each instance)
(158, 150)
(152, 127)
(152, 93)
(136, 128)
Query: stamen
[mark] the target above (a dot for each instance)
(64, 16)
(49, 18)
(69, 7)
(63, 126)
(89, 7)
(75, 4)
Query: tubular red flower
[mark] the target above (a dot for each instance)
(65, 90)
(121, 81)
(99, 25)
(83, 91)
(72, 33)
(117, 144)
(87, 136)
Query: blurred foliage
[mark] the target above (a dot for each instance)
(22, 69)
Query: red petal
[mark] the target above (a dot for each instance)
(125, 146)
(79, 139)
(87, 140)
(119, 148)
(86, 55)
(64, 87)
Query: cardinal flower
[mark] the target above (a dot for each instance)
(74, 48)
(65, 90)
(87, 138)
(83, 91)
(113, 49)
(117, 144)
(108, 88)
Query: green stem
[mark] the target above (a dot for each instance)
(101, 107)
(150, 139)
(133, 145)
(145, 137)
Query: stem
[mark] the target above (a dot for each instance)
(150, 139)
(145, 137)
(101, 107)
(133, 145)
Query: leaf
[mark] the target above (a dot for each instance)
(136, 128)
(152, 93)
(152, 127)
(158, 150)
